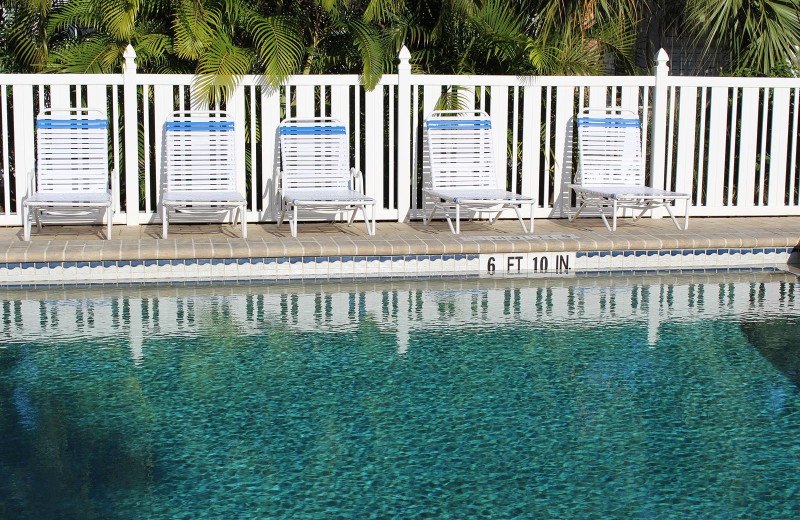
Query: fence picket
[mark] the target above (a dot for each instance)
(563, 149)
(24, 160)
(270, 119)
(747, 149)
(718, 123)
(779, 147)
(531, 140)
(685, 163)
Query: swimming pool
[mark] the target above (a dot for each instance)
(589, 397)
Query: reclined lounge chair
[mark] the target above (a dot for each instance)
(611, 169)
(463, 170)
(72, 167)
(200, 168)
(315, 174)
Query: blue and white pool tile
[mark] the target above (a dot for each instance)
(346, 267)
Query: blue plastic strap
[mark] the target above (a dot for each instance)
(200, 125)
(608, 121)
(71, 123)
(313, 130)
(448, 124)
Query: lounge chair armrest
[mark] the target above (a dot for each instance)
(357, 179)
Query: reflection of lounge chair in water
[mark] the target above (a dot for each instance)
(463, 170)
(611, 169)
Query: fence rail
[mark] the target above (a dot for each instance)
(730, 142)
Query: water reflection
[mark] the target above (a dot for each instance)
(587, 397)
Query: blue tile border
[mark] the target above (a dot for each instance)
(24, 274)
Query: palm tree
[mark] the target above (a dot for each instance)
(758, 36)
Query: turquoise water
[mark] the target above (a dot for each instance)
(652, 399)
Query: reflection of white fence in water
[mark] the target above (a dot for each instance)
(730, 142)
(402, 311)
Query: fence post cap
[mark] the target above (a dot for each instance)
(129, 52)
(662, 56)
(405, 54)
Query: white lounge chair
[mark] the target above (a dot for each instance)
(611, 169)
(200, 167)
(463, 170)
(316, 173)
(72, 167)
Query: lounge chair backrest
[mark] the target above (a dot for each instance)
(609, 143)
(460, 149)
(72, 151)
(314, 154)
(200, 152)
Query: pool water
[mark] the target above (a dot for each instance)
(619, 398)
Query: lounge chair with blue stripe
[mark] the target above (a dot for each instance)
(611, 170)
(315, 171)
(462, 169)
(200, 168)
(72, 168)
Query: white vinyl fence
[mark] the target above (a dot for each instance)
(730, 142)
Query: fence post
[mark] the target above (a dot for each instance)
(130, 110)
(658, 142)
(403, 135)
(24, 156)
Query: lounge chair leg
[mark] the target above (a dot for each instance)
(686, 217)
(614, 227)
(521, 221)
(672, 216)
(164, 220)
(244, 222)
(426, 221)
(531, 205)
(293, 223)
(38, 219)
(353, 216)
(458, 219)
(109, 217)
(603, 216)
(449, 221)
(574, 215)
(283, 215)
(26, 224)
(647, 208)
(370, 231)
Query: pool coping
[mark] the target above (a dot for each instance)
(403, 251)
(402, 240)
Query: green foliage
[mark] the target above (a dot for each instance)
(757, 35)
(220, 40)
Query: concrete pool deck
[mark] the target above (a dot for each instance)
(211, 241)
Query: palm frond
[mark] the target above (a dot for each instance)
(220, 67)
(372, 47)
(278, 41)
(757, 35)
(99, 53)
(502, 29)
(72, 15)
(25, 41)
(192, 29)
(382, 10)
(119, 17)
